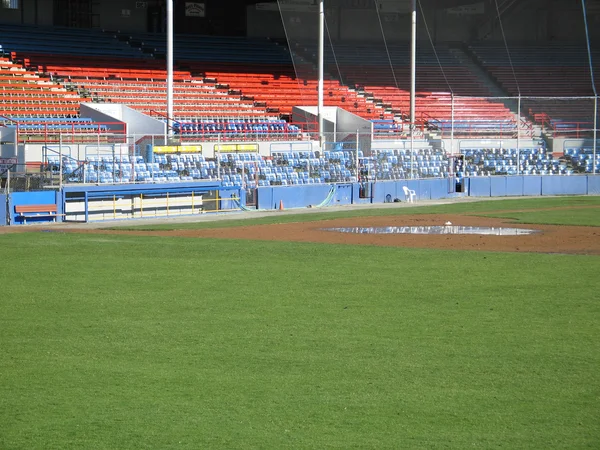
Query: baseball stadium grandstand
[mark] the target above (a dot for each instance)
(299, 224)
(89, 95)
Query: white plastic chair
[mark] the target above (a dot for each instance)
(409, 194)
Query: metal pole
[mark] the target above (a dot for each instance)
(413, 62)
(592, 79)
(170, 66)
(60, 162)
(413, 81)
(452, 126)
(357, 142)
(412, 156)
(321, 71)
(217, 157)
(114, 169)
(518, 132)
(595, 133)
(16, 147)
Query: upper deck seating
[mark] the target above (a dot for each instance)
(65, 41)
(545, 72)
(368, 68)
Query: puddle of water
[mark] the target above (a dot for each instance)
(445, 229)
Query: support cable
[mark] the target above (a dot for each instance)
(287, 38)
(512, 67)
(433, 47)
(387, 51)
(333, 52)
(589, 51)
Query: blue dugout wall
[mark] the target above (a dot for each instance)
(33, 198)
(3, 206)
(302, 196)
(428, 189)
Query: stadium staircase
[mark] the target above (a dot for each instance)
(528, 128)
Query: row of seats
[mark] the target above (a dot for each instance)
(292, 168)
(525, 161)
(233, 128)
(546, 72)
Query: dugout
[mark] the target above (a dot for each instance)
(98, 203)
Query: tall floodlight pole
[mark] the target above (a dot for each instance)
(594, 149)
(321, 71)
(170, 67)
(518, 133)
(593, 80)
(413, 78)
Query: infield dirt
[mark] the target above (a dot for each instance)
(550, 239)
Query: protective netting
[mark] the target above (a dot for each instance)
(475, 65)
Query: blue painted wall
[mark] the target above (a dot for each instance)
(593, 184)
(532, 185)
(3, 200)
(230, 199)
(32, 198)
(514, 186)
(480, 187)
(573, 185)
(303, 196)
(300, 196)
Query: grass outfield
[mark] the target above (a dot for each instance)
(118, 341)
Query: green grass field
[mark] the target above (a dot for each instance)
(119, 341)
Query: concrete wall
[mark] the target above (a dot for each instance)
(347, 125)
(112, 17)
(32, 12)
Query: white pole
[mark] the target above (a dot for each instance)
(321, 71)
(60, 161)
(218, 160)
(518, 132)
(413, 82)
(592, 79)
(16, 146)
(357, 171)
(595, 133)
(452, 126)
(170, 67)
(413, 62)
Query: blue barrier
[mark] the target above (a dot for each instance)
(300, 196)
(593, 185)
(568, 185)
(514, 186)
(384, 190)
(480, 187)
(498, 186)
(532, 185)
(3, 200)
(32, 198)
(439, 188)
(343, 194)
